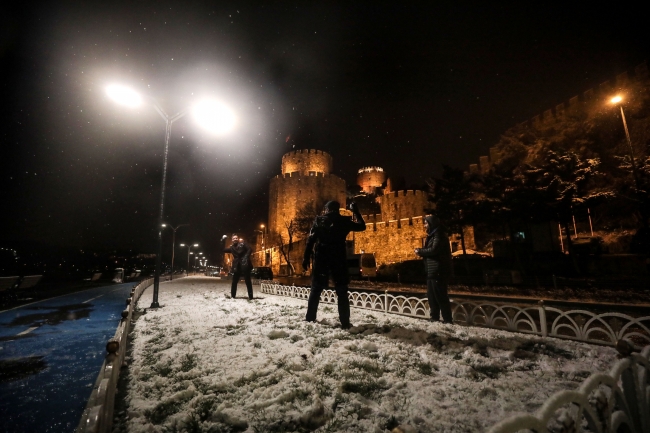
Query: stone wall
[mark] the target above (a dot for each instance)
(589, 97)
(391, 241)
(306, 161)
(273, 258)
(403, 204)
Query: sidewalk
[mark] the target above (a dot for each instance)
(204, 361)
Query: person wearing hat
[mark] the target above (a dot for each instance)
(327, 235)
(437, 262)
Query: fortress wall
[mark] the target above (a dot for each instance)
(304, 161)
(604, 91)
(403, 204)
(392, 241)
(395, 241)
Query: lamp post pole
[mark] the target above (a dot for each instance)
(617, 100)
(263, 231)
(168, 132)
(629, 143)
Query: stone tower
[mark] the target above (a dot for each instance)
(370, 178)
(305, 179)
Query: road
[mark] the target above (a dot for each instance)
(50, 354)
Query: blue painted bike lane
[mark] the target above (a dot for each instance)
(50, 355)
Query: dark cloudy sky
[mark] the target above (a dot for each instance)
(405, 87)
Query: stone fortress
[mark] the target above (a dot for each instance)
(306, 181)
(394, 216)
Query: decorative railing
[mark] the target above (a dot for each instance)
(573, 322)
(98, 415)
(604, 403)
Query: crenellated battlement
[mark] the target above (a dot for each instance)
(299, 174)
(302, 151)
(403, 204)
(590, 96)
(307, 162)
(406, 193)
(587, 98)
(401, 223)
(370, 169)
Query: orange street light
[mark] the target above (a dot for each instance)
(616, 100)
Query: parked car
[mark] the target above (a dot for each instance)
(262, 272)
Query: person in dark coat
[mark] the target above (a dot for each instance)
(437, 261)
(328, 234)
(241, 264)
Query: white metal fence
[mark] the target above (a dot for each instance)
(604, 403)
(98, 415)
(574, 322)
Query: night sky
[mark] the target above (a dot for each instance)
(407, 88)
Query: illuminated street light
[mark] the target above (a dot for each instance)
(616, 100)
(196, 256)
(189, 249)
(174, 244)
(211, 115)
(214, 116)
(124, 95)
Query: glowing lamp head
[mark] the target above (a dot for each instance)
(124, 95)
(616, 99)
(214, 116)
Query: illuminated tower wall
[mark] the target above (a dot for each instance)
(305, 179)
(370, 178)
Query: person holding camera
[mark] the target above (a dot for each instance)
(327, 235)
(241, 264)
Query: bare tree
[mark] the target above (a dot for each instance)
(291, 230)
(304, 218)
(285, 246)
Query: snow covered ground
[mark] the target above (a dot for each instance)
(204, 362)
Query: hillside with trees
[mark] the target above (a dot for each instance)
(575, 164)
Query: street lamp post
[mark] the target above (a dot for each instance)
(196, 257)
(212, 115)
(263, 233)
(174, 244)
(189, 249)
(617, 101)
(263, 260)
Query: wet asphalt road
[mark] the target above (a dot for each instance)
(50, 354)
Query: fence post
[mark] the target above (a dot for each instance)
(554, 282)
(542, 316)
(386, 300)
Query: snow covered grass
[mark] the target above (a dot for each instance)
(206, 363)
